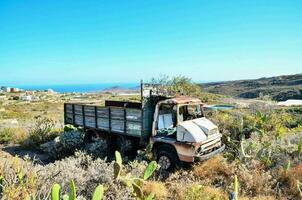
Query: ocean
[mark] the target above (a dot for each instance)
(77, 87)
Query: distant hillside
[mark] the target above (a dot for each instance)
(279, 88)
(118, 89)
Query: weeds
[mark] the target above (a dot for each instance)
(292, 178)
(42, 131)
(55, 192)
(157, 188)
(12, 135)
(17, 179)
(196, 192)
(6, 136)
(212, 168)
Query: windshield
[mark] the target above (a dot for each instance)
(189, 112)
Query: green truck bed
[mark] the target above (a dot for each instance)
(112, 119)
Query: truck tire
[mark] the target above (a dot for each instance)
(166, 157)
(123, 145)
(89, 136)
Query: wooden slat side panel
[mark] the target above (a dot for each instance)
(68, 108)
(134, 128)
(78, 109)
(103, 123)
(98, 117)
(89, 110)
(117, 126)
(133, 114)
(68, 118)
(90, 122)
(78, 120)
(103, 112)
(117, 113)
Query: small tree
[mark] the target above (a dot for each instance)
(177, 85)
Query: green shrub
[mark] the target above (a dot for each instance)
(69, 127)
(6, 136)
(296, 121)
(65, 144)
(42, 131)
(196, 192)
(12, 135)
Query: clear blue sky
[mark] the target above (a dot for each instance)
(58, 42)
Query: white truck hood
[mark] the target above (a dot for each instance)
(196, 130)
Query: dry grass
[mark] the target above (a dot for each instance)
(176, 191)
(213, 167)
(157, 188)
(19, 135)
(264, 198)
(291, 177)
(197, 192)
(259, 198)
(255, 180)
(12, 135)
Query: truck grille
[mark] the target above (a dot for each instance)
(209, 146)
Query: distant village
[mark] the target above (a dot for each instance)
(13, 93)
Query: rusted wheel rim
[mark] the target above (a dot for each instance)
(164, 162)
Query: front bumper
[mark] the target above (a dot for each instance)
(209, 155)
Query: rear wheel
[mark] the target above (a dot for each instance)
(90, 136)
(166, 157)
(125, 145)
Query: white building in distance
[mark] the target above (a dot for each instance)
(26, 97)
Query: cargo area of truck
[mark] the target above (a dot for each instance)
(118, 117)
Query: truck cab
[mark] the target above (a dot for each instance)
(182, 133)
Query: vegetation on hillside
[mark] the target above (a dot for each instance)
(279, 88)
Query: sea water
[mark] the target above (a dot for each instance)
(77, 87)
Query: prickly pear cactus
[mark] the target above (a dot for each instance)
(236, 187)
(72, 193)
(98, 193)
(55, 192)
(152, 166)
(118, 158)
(137, 190)
(1, 184)
(117, 170)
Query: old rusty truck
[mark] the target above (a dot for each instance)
(175, 127)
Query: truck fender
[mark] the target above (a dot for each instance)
(159, 149)
(160, 145)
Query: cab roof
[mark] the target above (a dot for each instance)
(182, 100)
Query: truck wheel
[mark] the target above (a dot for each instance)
(166, 157)
(89, 136)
